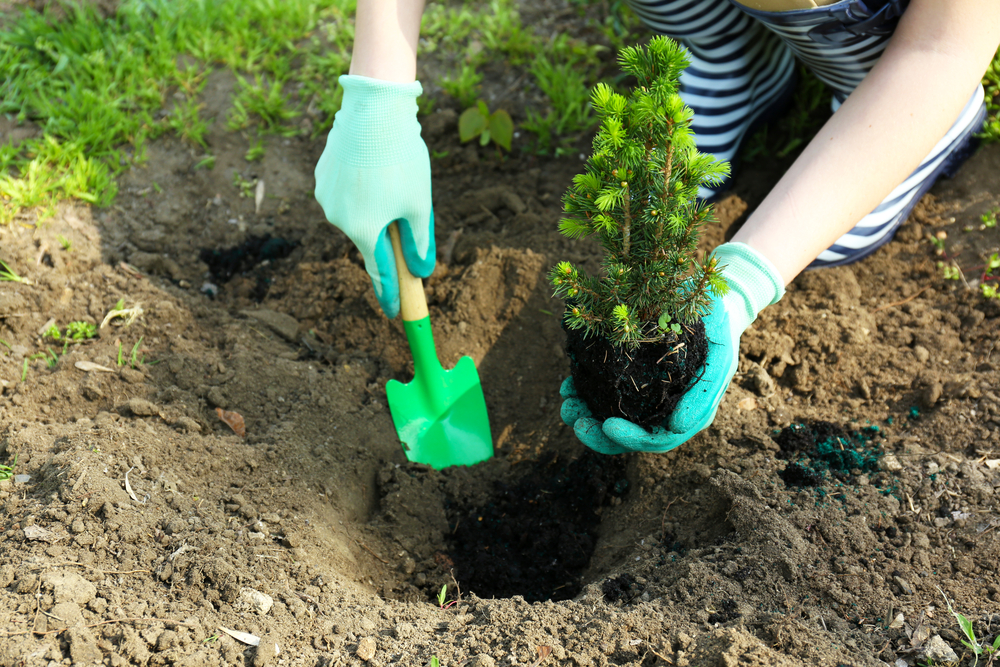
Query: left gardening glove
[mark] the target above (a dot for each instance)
(754, 283)
(376, 169)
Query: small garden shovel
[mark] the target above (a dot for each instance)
(440, 415)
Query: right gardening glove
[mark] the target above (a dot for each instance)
(376, 169)
(754, 283)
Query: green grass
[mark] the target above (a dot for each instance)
(990, 287)
(256, 151)
(562, 77)
(133, 359)
(99, 89)
(7, 472)
(464, 85)
(95, 87)
(81, 330)
(562, 68)
(991, 82)
(476, 37)
(971, 642)
(187, 122)
(8, 274)
(263, 101)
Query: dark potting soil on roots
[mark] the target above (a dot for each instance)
(536, 536)
(641, 385)
(819, 450)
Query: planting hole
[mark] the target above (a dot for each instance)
(226, 263)
(535, 535)
(531, 533)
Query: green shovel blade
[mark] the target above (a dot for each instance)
(440, 415)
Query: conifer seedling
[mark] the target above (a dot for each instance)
(638, 196)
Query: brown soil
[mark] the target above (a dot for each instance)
(146, 525)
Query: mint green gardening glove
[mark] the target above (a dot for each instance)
(376, 169)
(753, 284)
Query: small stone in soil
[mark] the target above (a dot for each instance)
(937, 650)
(366, 649)
(259, 602)
(92, 393)
(931, 395)
(891, 463)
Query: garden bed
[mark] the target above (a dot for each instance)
(147, 524)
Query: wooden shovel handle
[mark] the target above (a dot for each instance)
(412, 302)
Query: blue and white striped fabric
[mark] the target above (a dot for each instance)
(878, 227)
(841, 43)
(740, 75)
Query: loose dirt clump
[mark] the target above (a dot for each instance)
(140, 525)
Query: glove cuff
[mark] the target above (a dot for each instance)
(752, 279)
(382, 117)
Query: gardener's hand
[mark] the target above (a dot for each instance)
(753, 284)
(376, 169)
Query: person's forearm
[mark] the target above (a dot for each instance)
(385, 39)
(881, 133)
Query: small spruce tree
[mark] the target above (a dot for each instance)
(639, 195)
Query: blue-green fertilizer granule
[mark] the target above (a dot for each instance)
(819, 451)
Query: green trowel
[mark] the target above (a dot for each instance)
(440, 415)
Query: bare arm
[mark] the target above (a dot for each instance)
(385, 39)
(881, 133)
